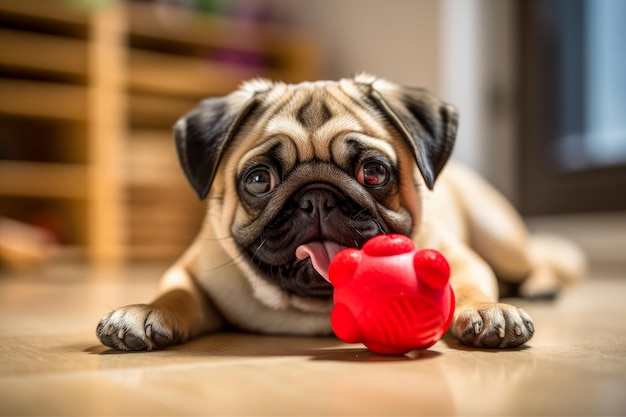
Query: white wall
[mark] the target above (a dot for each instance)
(393, 39)
(478, 77)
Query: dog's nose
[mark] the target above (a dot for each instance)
(318, 203)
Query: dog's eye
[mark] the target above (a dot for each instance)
(259, 182)
(373, 174)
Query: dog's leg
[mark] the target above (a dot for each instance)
(538, 266)
(556, 263)
(180, 312)
(479, 319)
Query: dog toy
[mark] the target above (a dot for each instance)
(390, 296)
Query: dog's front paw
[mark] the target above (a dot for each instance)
(138, 327)
(492, 325)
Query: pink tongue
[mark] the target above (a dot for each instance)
(321, 253)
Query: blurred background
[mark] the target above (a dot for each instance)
(89, 90)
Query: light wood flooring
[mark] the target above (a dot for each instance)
(52, 364)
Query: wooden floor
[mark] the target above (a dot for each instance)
(52, 364)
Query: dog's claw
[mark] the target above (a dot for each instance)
(135, 343)
(477, 328)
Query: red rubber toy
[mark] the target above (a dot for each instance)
(390, 296)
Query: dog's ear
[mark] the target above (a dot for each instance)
(426, 123)
(202, 135)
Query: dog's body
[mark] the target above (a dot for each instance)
(293, 174)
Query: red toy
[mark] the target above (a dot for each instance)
(390, 296)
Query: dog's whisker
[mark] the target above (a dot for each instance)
(232, 261)
(216, 239)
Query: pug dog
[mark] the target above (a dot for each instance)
(293, 174)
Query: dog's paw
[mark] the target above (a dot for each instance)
(138, 327)
(492, 325)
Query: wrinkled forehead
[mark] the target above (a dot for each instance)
(317, 121)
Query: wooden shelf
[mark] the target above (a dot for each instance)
(43, 179)
(58, 12)
(56, 54)
(151, 161)
(184, 76)
(150, 109)
(104, 86)
(43, 99)
(172, 24)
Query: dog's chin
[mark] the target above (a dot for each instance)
(298, 278)
(301, 282)
(305, 281)
(305, 291)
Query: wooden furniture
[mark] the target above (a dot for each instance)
(87, 101)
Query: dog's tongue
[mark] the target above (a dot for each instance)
(321, 253)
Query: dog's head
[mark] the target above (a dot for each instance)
(294, 173)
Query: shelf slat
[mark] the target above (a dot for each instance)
(146, 109)
(43, 99)
(47, 10)
(43, 179)
(56, 54)
(171, 74)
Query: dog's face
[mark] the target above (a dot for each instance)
(295, 173)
